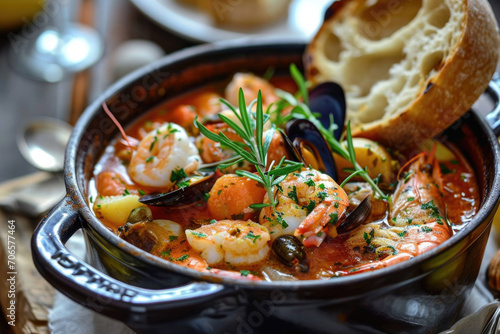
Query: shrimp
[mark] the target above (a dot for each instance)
(196, 262)
(234, 242)
(251, 85)
(232, 195)
(162, 152)
(310, 205)
(157, 236)
(416, 219)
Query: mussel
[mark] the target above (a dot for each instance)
(291, 252)
(185, 196)
(328, 100)
(356, 217)
(307, 144)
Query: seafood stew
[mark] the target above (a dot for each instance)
(186, 186)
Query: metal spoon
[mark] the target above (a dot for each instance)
(43, 143)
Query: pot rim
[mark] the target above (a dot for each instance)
(79, 198)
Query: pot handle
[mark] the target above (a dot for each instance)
(92, 288)
(493, 117)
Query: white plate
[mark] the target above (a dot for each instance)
(304, 18)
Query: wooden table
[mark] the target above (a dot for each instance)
(24, 99)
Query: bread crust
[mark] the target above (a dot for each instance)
(447, 95)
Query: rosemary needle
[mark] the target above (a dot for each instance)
(254, 147)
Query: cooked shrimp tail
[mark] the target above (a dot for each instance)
(417, 218)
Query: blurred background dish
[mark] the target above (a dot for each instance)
(211, 21)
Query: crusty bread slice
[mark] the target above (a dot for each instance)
(410, 68)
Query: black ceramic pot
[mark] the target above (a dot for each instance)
(423, 295)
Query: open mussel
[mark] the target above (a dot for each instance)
(291, 252)
(356, 217)
(328, 100)
(307, 144)
(185, 196)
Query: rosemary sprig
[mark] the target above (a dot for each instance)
(254, 147)
(301, 110)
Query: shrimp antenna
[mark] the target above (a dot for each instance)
(113, 118)
(408, 163)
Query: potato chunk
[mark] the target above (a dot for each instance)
(116, 209)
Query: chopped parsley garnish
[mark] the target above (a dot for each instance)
(149, 159)
(410, 199)
(369, 237)
(280, 188)
(334, 218)
(321, 186)
(183, 184)
(310, 183)
(172, 237)
(310, 206)
(126, 192)
(141, 192)
(198, 234)
(245, 272)
(155, 139)
(455, 162)
(219, 192)
(402, 234)
(322, 195)
(182, 258)
(91, 199)
(293, 194)
(177, 175)
(426, 229)
(252, 236)
(213, 221)
(434, 211)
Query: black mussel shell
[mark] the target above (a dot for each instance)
(291, 252)
(183, 197)
(328, 99)
(308, 141)
(356, 217)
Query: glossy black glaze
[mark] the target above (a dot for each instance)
(423, 295)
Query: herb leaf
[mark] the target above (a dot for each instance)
(255, 144)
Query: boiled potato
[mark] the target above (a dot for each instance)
(443, 153)
(116, 209)
(371, 155)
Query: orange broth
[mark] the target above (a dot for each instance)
(461, 196)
